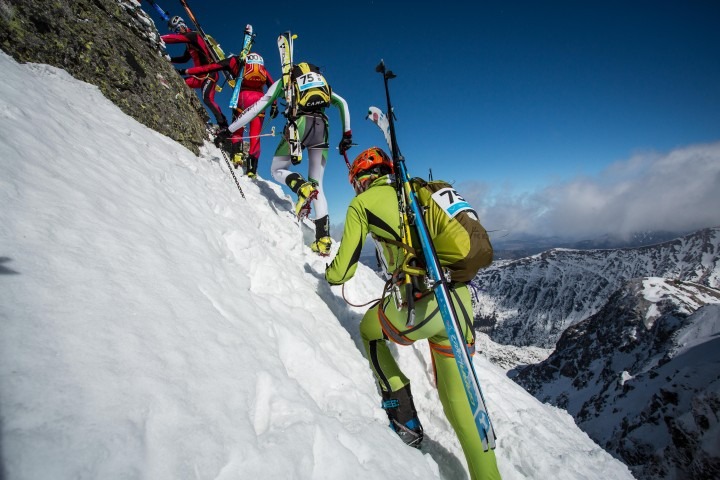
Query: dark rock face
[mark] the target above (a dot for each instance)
(114, 45)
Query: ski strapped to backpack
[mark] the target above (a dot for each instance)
(285, 46)
(462, 243)
(247, 45)
(378, 118)
(216, 52)
(412, 216)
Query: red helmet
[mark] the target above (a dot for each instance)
(370, 161)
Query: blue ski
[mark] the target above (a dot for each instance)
(438, 281)
(247, 44)
(163, 14)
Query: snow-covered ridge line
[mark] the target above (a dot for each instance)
(640, 376)
(534, 299)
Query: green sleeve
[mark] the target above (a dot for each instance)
(345, 262)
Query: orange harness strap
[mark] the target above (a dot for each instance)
(447, 351)
(390, 331)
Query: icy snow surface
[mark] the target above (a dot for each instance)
(155, 324)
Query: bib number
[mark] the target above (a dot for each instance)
(451, 202)
(310, 80)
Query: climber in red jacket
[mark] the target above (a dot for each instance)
(197, 51)
(254, 78)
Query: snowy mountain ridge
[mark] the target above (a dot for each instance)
(641, 377)
(531, 301)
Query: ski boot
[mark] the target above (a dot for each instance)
(322, 242)
(403, 417)
(252, 164)
(305, 190)
(322, 246)
(238, 160)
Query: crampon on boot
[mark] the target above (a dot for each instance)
(306, 194)
(252, 164)
(403, 417)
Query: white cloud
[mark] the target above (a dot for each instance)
(677, 191)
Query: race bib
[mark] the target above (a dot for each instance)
(451, 202)
(310, 80)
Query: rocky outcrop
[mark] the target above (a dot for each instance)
(114, 45)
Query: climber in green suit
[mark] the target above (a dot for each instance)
(375, 211)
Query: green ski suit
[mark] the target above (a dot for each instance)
(375, 211)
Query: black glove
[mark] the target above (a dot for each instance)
(222, 136)
(346, 142)
(182, 71)
(273, 111)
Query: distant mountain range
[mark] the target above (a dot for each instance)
(531, 301)
(636, 338)
(642, 378)
(519, 246)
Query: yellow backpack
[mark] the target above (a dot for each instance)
(312, 92)
(461, 242)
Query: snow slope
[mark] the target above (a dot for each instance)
(154, 324)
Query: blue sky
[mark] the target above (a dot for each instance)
(510, 100)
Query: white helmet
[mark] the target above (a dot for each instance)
(175, 23)
(254, 58)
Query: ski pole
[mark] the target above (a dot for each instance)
(271, 134)
(399, 161)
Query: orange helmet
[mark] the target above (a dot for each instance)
(370, 161)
